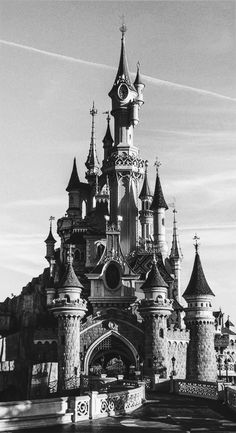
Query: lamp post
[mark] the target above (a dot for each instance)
(219, 366)
(172, 374)
(227, 370)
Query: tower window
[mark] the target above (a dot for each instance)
(161, 333)
(163, 221)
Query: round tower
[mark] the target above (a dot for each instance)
(201, 359)
(155, 309)
(69, 308)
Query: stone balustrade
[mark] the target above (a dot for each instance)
(207, 390)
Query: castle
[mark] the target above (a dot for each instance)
(109, 301)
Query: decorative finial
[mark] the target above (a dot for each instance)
(123, 27)
(157, 164)
(196, 243)
(138, 65)
(51, 219)
(146, 165)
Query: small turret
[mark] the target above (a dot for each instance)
(73, 189)
(139, 86)
(92, 162)
(50, 242)
(159, 207)
(145, 214)
(107, 140)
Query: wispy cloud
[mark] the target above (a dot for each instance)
(153, 80)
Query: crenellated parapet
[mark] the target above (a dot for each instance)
(177, 335)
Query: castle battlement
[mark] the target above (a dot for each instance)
(175, 334)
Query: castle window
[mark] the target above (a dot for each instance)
(77, 256)
(161, 333)
(163, 221)
(67, 298)
(202, 304)
(84, 209)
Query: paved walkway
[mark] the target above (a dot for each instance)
(162, 413)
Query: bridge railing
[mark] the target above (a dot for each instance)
(196, 389)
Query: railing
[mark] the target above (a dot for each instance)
(97, 405)
(230, 397)
(196, 389)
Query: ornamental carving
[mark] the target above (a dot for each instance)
(125, 160)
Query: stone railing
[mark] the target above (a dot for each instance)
(97, 405)
(197, 389)
(230, 397)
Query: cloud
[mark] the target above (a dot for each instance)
(155, 81)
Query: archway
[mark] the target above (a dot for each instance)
(111, 354)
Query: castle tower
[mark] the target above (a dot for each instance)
(155, 309)
(145, 214)
(201, 360)
(92, 163)
(159, 208)
(176, 258)
(69, 308)
(73, 189)
(50, 242)
(124, 167)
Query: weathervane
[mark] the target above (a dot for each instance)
(123, 27)
(108, 115)
(196, 243)
(51, 219)
(157, 164)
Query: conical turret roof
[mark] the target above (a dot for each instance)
(69, 278)
(92, 162)
(108, 140)
(145, 191)
(175, 252)
(74, 182)
(138, 79)
(198, 284)
(158, 198)
(50, 239)
(154, 278)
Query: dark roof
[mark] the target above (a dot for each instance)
(158, 201)
(198, 284)
(145, 191)
(50, 238)
(69, 278)
(228, 323)
(228, 331)
(123, 70)
(154, 278)
(74, 182)
(108, 140)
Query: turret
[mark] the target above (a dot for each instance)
(139, 86)
(201, 360)
(159, 208)
(107, 140)
(176, 257)
(92, 163)
(145, 214)
(73, 189)
(155, 309)
(50, 242)
(69, 308)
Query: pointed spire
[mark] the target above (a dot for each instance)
(145, 191)
(92, 163)
(175, 252)
(123, 69)
(158, 198)
(74, 182)
(108, 140)
(197, 285)
(69, 278)
(154, 278)
(138, 79)
(50, 239)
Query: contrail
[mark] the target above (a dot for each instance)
(57, 56)
(152, 80)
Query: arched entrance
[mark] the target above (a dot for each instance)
(111, 354)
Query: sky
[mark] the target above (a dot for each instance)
(57, 57)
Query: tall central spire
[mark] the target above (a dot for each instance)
(92, 162)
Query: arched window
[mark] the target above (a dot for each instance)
(161, 333)
(84, 209)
